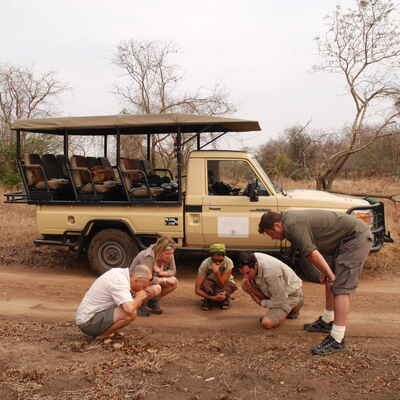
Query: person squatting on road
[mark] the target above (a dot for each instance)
(159, 257)
(273, 285)
(113, 299)
(338, 245)
(214, 282)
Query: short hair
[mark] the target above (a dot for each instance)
(247, 258)
(164, 243)
(141, 272)
(268, 220)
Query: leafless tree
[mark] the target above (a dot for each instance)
(24, 94)
(153, 86)
(362, 44)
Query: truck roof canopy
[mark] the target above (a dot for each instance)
(135, 124)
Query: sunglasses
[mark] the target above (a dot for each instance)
(218, 260)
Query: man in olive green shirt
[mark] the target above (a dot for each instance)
(338, 245)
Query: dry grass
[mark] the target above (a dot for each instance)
(387, 260)
(19, 229)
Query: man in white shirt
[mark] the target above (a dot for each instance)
(273, 285)
(112, 301)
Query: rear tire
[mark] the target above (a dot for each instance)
(111, 248)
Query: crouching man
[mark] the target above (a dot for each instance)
(112, 301)
(273, 285)
(214, 282)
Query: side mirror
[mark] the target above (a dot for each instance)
(252, 191)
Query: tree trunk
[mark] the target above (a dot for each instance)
(325, 181)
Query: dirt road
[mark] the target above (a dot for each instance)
(175, 355)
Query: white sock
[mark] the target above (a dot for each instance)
(328, 316)
(338, 332)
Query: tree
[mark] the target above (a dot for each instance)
(362, 44)
(293, 155)
(153, 85)
(24, 94)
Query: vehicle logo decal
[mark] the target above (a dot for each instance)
(171, 221)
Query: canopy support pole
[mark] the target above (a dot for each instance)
(65, 145)
(18, 144)
(148, 147)
(179, 162)
(213, 140)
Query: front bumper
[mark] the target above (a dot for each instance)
(378, 229)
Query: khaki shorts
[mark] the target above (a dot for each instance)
(349, 262)
(99, 323)
(278, 314)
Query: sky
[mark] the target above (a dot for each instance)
(261, 51)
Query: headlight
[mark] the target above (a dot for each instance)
(366, 215)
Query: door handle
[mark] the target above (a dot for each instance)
(261, 209)
(215, 208)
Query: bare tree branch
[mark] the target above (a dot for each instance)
(362, 44)
(152, 85)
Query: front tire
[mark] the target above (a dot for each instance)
(111, 248)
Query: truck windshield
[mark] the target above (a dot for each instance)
(263, 173)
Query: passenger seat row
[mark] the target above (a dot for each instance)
(92, 176)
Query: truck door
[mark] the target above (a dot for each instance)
(228, 214)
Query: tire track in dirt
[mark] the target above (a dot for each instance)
(51, 294)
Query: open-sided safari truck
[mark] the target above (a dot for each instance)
(113, 211)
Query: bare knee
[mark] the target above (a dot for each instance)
(153, 291)
(130, 317)
(266, 323)
(173, 283)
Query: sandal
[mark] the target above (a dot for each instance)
(226, 304)
(205, 305)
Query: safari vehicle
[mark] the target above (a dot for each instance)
(113, 211)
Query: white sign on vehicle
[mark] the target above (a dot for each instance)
(233, 227)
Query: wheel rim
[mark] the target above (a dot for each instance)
(112, 254)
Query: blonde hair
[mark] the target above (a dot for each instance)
(164, 243)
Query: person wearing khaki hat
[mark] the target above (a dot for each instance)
(214, 282)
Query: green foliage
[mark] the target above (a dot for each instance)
(9, 178)
(282, 164)
(39, 144)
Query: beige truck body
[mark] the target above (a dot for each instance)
(202, 218)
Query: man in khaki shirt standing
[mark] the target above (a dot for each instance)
(273, 285)
(338, 245)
